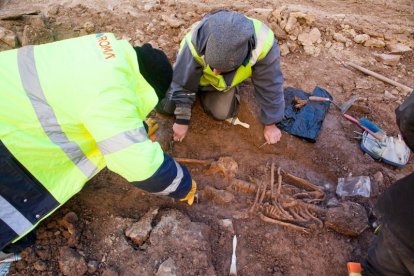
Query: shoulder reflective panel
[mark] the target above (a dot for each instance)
(122, 140)
(261, 40)
(45, 114)
(13, 218)
(175, 183)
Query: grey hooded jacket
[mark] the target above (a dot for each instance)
(266, 76)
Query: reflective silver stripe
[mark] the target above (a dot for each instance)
(123, 140)
(13, 218)
(175, 183)
(45, 114)
(261, 39)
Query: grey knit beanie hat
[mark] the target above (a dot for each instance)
(228, 43)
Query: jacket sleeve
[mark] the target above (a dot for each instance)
(184, 86)
(121, 137)
(405, 120)
(267, 79)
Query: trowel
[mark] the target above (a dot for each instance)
(233, 269)
(343, 107)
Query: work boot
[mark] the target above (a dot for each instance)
(166, 106)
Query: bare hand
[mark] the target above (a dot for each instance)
(180, 131)
(272, 134)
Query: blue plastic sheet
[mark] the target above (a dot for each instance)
(306, 122)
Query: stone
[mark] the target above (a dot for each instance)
(349, 219)
(284, 49)
(89, 27)
(92, 266)
(167, 268)
(389, 96)
(40, 266)
(328, 45)
(292, 45)
(221, 197)
(373, 33)
(291, 24)
(398, 48)
(172, 21)
(35, 36)
(7, 37)
(377, 184)
(277, 15)
(333, 202)
(71, 262)
(139, 231)
(340, 37)
(361, 38)
(227, 224)
(388, 59)
(374, 42)
(278, 31)
(310, 38)
(312, 50)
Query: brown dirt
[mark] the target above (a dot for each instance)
(194, 237)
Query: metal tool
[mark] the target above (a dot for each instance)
(377, 135)
(233, 268)
(265, 143)
(343, 107)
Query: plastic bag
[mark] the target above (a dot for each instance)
(354, 186)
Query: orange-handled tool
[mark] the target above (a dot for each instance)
(323, 99)
(377, 136)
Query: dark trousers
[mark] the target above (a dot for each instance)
(220, 105)
(388, 256)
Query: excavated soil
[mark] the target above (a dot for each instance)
(87, 235)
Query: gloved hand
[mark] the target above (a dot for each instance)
(189, 198)
(152, 127)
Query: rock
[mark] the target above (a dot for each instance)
(312, 50)
(34, 36)
(277, 15)
(92, 266)
(139, 231)
(218, 196)
(278, 31)
(389, 96)
(388, 59)
(340, 37)
(310, 38)
(227, 224)
(374, 42)
(377, 184)
(71, 262)
(110, 271)
(373, 33)
(333, 202)
(398, 48)
(303, 18)
(290, 24)
(89, 27)
(361, 38)
(40, 266)
(70, 222)
(349, 219)
(172, 21)
(328, 45)
(176, 236)
(292, 46)
(284, 49)
(167, 268)
(8, 38)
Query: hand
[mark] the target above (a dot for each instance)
(189, 198)
(272, 134)
(180, 131)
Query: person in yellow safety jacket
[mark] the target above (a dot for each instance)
(220, 52)
(68, 109)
